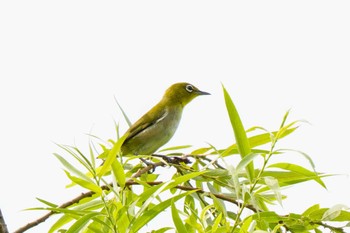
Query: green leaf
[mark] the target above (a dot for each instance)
(245, 161)
(282, 131)
(90, 203)
(239, 132)
(162, 230)
(124, 114)
(268, 216)
(71, 168)
(258, 140)
(300, 170)
(180, 227)
(311, 210)
(200, 151)
(333, 213)
(137, 223)
(84, 183)
(344, 216)
(78, 225)
(118, 172)
(216, 223)
(111, 156)
(92, 154)
(184, 178)
(46, 202)
(77, 155)
(308, 158)
(176, 148)
(272, 183)
(150, 194)
(65, 219)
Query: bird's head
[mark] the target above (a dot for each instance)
(182, 93)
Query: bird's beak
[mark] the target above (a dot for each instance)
(202, 93)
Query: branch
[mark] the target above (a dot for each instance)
(80, 197)
(199, 190)
(130, 182)
(3, 226)
(332, 228)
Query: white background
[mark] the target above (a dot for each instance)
(62, 63)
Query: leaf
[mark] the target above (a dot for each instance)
(78, 225)
(46, 202)
(239, 132)
(84, 183)
(311, 210)
(60, 222)
(204, 214)
(333, 212)
(245, 161)
(268, 216)
(81, 159)
(92, 155)
(180, 227)
(258, 140)
(272, 183)
(71, 168)
(216, 223)
(162, 230)
(308, 158)
(150, 194)
(300, 170)
(137, 223)
(176, 148)
(200, 151)
(112, 154)
(118, 172)
(124, 114)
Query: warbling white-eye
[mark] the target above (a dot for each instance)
(159, 124)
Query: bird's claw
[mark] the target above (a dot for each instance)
(173, 159)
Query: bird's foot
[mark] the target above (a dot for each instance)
(173, 159)
(148, 163)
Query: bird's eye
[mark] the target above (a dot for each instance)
(189, 88)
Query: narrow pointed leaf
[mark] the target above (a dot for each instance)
(258, 140)
(180, 227)
(46, 202)
(118, 172)
(333, 212)
(300, 170)
(239, 132)
(245, 161)
(84, 183)
(78, 225)
(123, 112)
(71, 168)
(176, 148)
(149, 214)
(112, 154)
(272, 183)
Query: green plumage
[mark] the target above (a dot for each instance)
(159, 124)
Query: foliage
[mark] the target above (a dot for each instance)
(216, 192)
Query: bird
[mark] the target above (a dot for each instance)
(156, 127)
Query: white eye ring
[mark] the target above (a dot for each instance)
(189, 88)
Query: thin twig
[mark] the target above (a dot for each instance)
(79, 198)
(130, 182)
(203, 157)
(332, 228)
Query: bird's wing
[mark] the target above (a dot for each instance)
(144, 123)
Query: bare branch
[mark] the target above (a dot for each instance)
(128, 183)
(3, 226)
